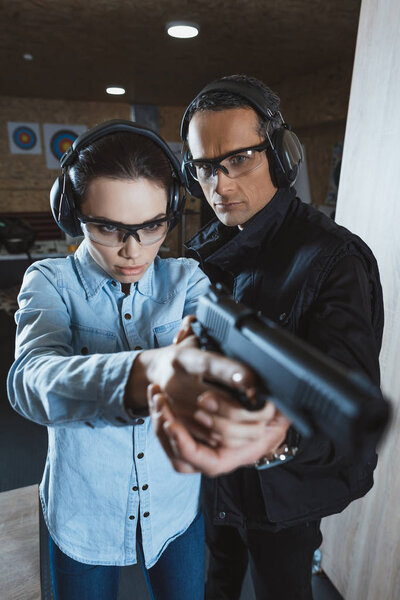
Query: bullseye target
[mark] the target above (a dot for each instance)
(57, 139)
(24, 138)
(61, 141)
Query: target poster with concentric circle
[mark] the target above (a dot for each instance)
(57, 139)
(24, 138)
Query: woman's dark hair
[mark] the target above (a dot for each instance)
(120, 155)
(224, 100)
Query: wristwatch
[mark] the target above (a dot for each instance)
(282, 455)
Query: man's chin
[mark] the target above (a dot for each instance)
(231, 218)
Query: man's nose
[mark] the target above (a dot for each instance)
(223, 182)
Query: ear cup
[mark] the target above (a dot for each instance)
(191, 185)
(63, 207)
(176, 202)
(285, 157)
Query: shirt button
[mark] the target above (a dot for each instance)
(131, 517)
(139, 421)
(114, 283)
(84, 350)
(222, 515)
(140, 455)
(146, 514)
(127, 316)
(138, 348)
(135, 488)
(145, 486)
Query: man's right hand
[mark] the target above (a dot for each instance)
(188, 454)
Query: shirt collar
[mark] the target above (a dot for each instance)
(216, 242)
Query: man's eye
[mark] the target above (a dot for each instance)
(238, 159)
(204, 170)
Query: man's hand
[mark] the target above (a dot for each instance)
(239, 442)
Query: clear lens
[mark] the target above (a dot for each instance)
(232, 166)
(110, 235)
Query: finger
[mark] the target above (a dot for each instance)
(217, 403)
(185, 330)
(216, 461)
(215, 367)
(231, 434)
(158, 417)
(177, 434)
(152, 390)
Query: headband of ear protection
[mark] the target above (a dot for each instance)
(62, 200)
(285, 153)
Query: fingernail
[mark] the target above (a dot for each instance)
(203, 418)
(237, 377)
(208, 403)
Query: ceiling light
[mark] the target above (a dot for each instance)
(182, 30)
(115, 91)
(28, 56)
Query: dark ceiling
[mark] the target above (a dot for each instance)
(81, 46)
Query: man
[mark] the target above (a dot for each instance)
(316, 279)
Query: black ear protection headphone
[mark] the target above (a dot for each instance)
(62, 200)
(285, 153)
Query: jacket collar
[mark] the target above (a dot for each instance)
(93, 277)
(217, 243)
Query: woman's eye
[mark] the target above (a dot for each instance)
(107, 228)
(152, 227)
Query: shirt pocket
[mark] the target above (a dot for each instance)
(92, 340)
(164, 334)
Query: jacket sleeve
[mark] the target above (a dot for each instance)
(47, 383)
(340, 323)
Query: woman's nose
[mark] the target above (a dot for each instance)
(131, 248)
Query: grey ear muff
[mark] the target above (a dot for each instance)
(287, 156)
(64, 213)
(285, 153)
(62, 202)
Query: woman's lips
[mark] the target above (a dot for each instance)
(129, 271)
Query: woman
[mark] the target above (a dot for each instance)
(108, 490)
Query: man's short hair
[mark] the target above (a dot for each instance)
(224, 100)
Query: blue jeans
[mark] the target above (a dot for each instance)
(177, 575)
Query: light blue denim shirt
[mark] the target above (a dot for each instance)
(76, 339)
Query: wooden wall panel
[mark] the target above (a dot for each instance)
(25, 180)
(361, 551)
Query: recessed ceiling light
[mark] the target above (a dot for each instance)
(28, 56)
(115, 91)
(182, 29)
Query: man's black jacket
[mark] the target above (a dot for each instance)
(317, 279)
